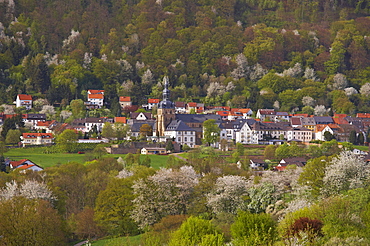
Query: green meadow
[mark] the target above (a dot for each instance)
(47, 160)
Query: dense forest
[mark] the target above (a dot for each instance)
(290, 55)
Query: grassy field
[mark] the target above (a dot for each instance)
(47, 160)
(120, 241)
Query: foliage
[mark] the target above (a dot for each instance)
(211, 131)
(165, 193)
(30, 222)
(253, 229)
(66, 141)
(196, 231)
(229, 195)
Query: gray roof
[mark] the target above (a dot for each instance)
(135, 127)
(323, 120)
(198, 118)
(178, 125)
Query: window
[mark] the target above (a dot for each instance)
(179, 139)
(191, 139)
(186, 139)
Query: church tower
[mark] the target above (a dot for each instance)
(166, 110)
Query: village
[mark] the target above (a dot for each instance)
(182, 124)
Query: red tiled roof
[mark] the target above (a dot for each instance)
(24, 97)
(223, 113)
(363, 115)
(192, 104)
(35, 135)
(26, 166)
(96, 96)
(120, 119)
(95, 91)
(44, 123)
(340, 121)
(17, 163)
(152, 100)
(125, 99)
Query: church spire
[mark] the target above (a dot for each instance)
(166, 103)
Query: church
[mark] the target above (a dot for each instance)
(182, 128)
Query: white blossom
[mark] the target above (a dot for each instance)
(365, 89)
(65, 114)
(29, 189)
(148, 77)
(276, 105)
(215, 89)
(230, 86)
(87, 60)
(350, 91)
(242, 70)
(48, 110)
(308, 101)
(292, 72)
(239, 23)
(165, 193)
(309, 73)
(320, 110)
(228, 195)
(124, 173)
(340, 82)
(347, 171)
(257, 72)
(8, 109)
(71, 39)
(139, 65)
(104, 57)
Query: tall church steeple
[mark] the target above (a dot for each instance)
(166, 109)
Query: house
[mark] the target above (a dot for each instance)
(180, 107)
(87, 124)
(194, 107)
(45, 125)
(32, 119)
(265, 114)
(141, 116)
(95, 92)
(320, 131)
(135, 128)
(152, 102)
(257, 164)
(298, 161)
(122, 120)
(153, 151)
(95, 100)
(246, 112)
(24, 165)
(37, 139)
(125, 102)
(181, 133)
(23, 100)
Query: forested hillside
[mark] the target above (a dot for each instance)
(291, 55)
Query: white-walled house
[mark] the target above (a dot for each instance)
(181, 133)
(37, 139)
(23, 100)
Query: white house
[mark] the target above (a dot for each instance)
(125, 102)
(181, 133)
(23, 100)
(37, 139)
(96, 99)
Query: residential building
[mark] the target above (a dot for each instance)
(181, 133)
(37, 139)
(23, 164)
(23, 100)
(95, 100)
(125, 102)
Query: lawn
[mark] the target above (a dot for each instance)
(41, 159)
(119, 241)
(47, 160)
